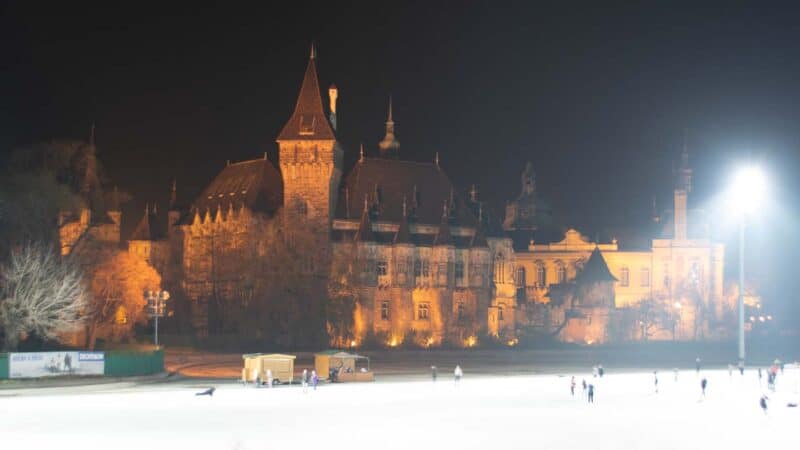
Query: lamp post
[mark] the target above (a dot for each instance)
(156, 304)
(748, 190)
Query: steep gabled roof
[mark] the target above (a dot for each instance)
(595, 271)
(256, 184)
(149, 228)
(308, 121)
(395, 179)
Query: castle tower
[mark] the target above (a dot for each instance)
(389, 146)
(173, 213)
(683, 185)
(309, 155)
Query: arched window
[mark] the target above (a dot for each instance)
(562, 273)
(422, 311)
(499, 268)
(500, 313)
(520, 277)
(541, 275)
(624, 277)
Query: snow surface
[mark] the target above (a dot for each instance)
(482, 412)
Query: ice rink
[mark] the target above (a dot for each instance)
(534, 411)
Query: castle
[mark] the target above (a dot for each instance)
(427, 263)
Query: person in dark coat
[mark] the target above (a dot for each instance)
(583, 382)
(763, 403)
(655, 380)
(600, 370)
(572, 386)
(703, 384)
(591, 393)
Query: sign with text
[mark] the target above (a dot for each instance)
(50, 364)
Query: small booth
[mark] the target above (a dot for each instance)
(343, 366)
(257, 364)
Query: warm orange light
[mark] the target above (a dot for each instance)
(352, 343)
(512, 342)
(591, 341)
(471, 341)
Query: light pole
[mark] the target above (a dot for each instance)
(748, 191)
(156, 304)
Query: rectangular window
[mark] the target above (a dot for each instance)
(422, 311)
(459, 270)
(385, 310)
(426, 268)
(460, 311)
(500, 313)
(401, 267)
(624, 277)
(380, 268)
(417, 268)
(645, 277)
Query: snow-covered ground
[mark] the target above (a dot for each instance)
(533, 411)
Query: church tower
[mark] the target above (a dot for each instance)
(309, 155)
(683, 185)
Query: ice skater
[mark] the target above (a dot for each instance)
(209, 392)
(600, 370)
(697, 364)
(314, 379)
(703, 384)
(591, 393)
(457, 374)
(584, 387)
(304, 379)
(763, 403)
(655, 380)
(434, 373)
(760, 376)
(730, 370)
(741, 367)
(572, 386)
(595, 371)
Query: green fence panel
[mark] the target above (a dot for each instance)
(3, 366)
(131, 363)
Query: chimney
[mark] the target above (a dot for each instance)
(333, 94)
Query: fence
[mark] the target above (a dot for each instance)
(114, 363)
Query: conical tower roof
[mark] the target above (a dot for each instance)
(308, 121)
(595, 271)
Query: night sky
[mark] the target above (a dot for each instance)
(598, 98)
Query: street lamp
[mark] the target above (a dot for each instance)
(747, 192)
(156, 305)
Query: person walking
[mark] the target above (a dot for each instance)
(572, 386)
(655, 380)
(760, 376)
(591, 393)
(730, 370)
(457, 374)
(600, 370)
(703, 384)
(595, 371)
(304, 379)
(433, 373)
(583, 382)
(763, 403)
(741, 368)
(314, 379)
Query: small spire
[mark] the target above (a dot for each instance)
(91, 136)
(389, 146)
(147, 209)
(366, 202)
(313, 50)
(473, 194)
(404, 206)
(389, 120)
(361, 153)
(444, 210)
(155, 208)
(347, 201)
(436, 159)
(480, 213)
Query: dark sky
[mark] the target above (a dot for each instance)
(596, 97)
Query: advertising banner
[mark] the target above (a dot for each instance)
(49, 364)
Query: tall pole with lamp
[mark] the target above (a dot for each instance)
(156, 305)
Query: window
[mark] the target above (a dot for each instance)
(624, 277)
(401, 267)
(385, 310)
(500, 313)
(422, 311)
(645, 277)
(417, 267)
(541, 275)
(499, 268)
(562, 273)
(521, 277)
(460, 311)
(380, 268)
(426, 268)
(459, 270)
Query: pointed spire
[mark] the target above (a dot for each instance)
(147, 209)
(361, 153)
(389, 146)
(91, 136)
(155, 208)
(308, 121)
(364, 233)
(173, 195)
(436, 159)
(313, 54)
(443, 237)
(403, 235)
(479, 237)
(473, 194)
(595, 270)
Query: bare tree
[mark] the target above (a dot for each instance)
(39, 294)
